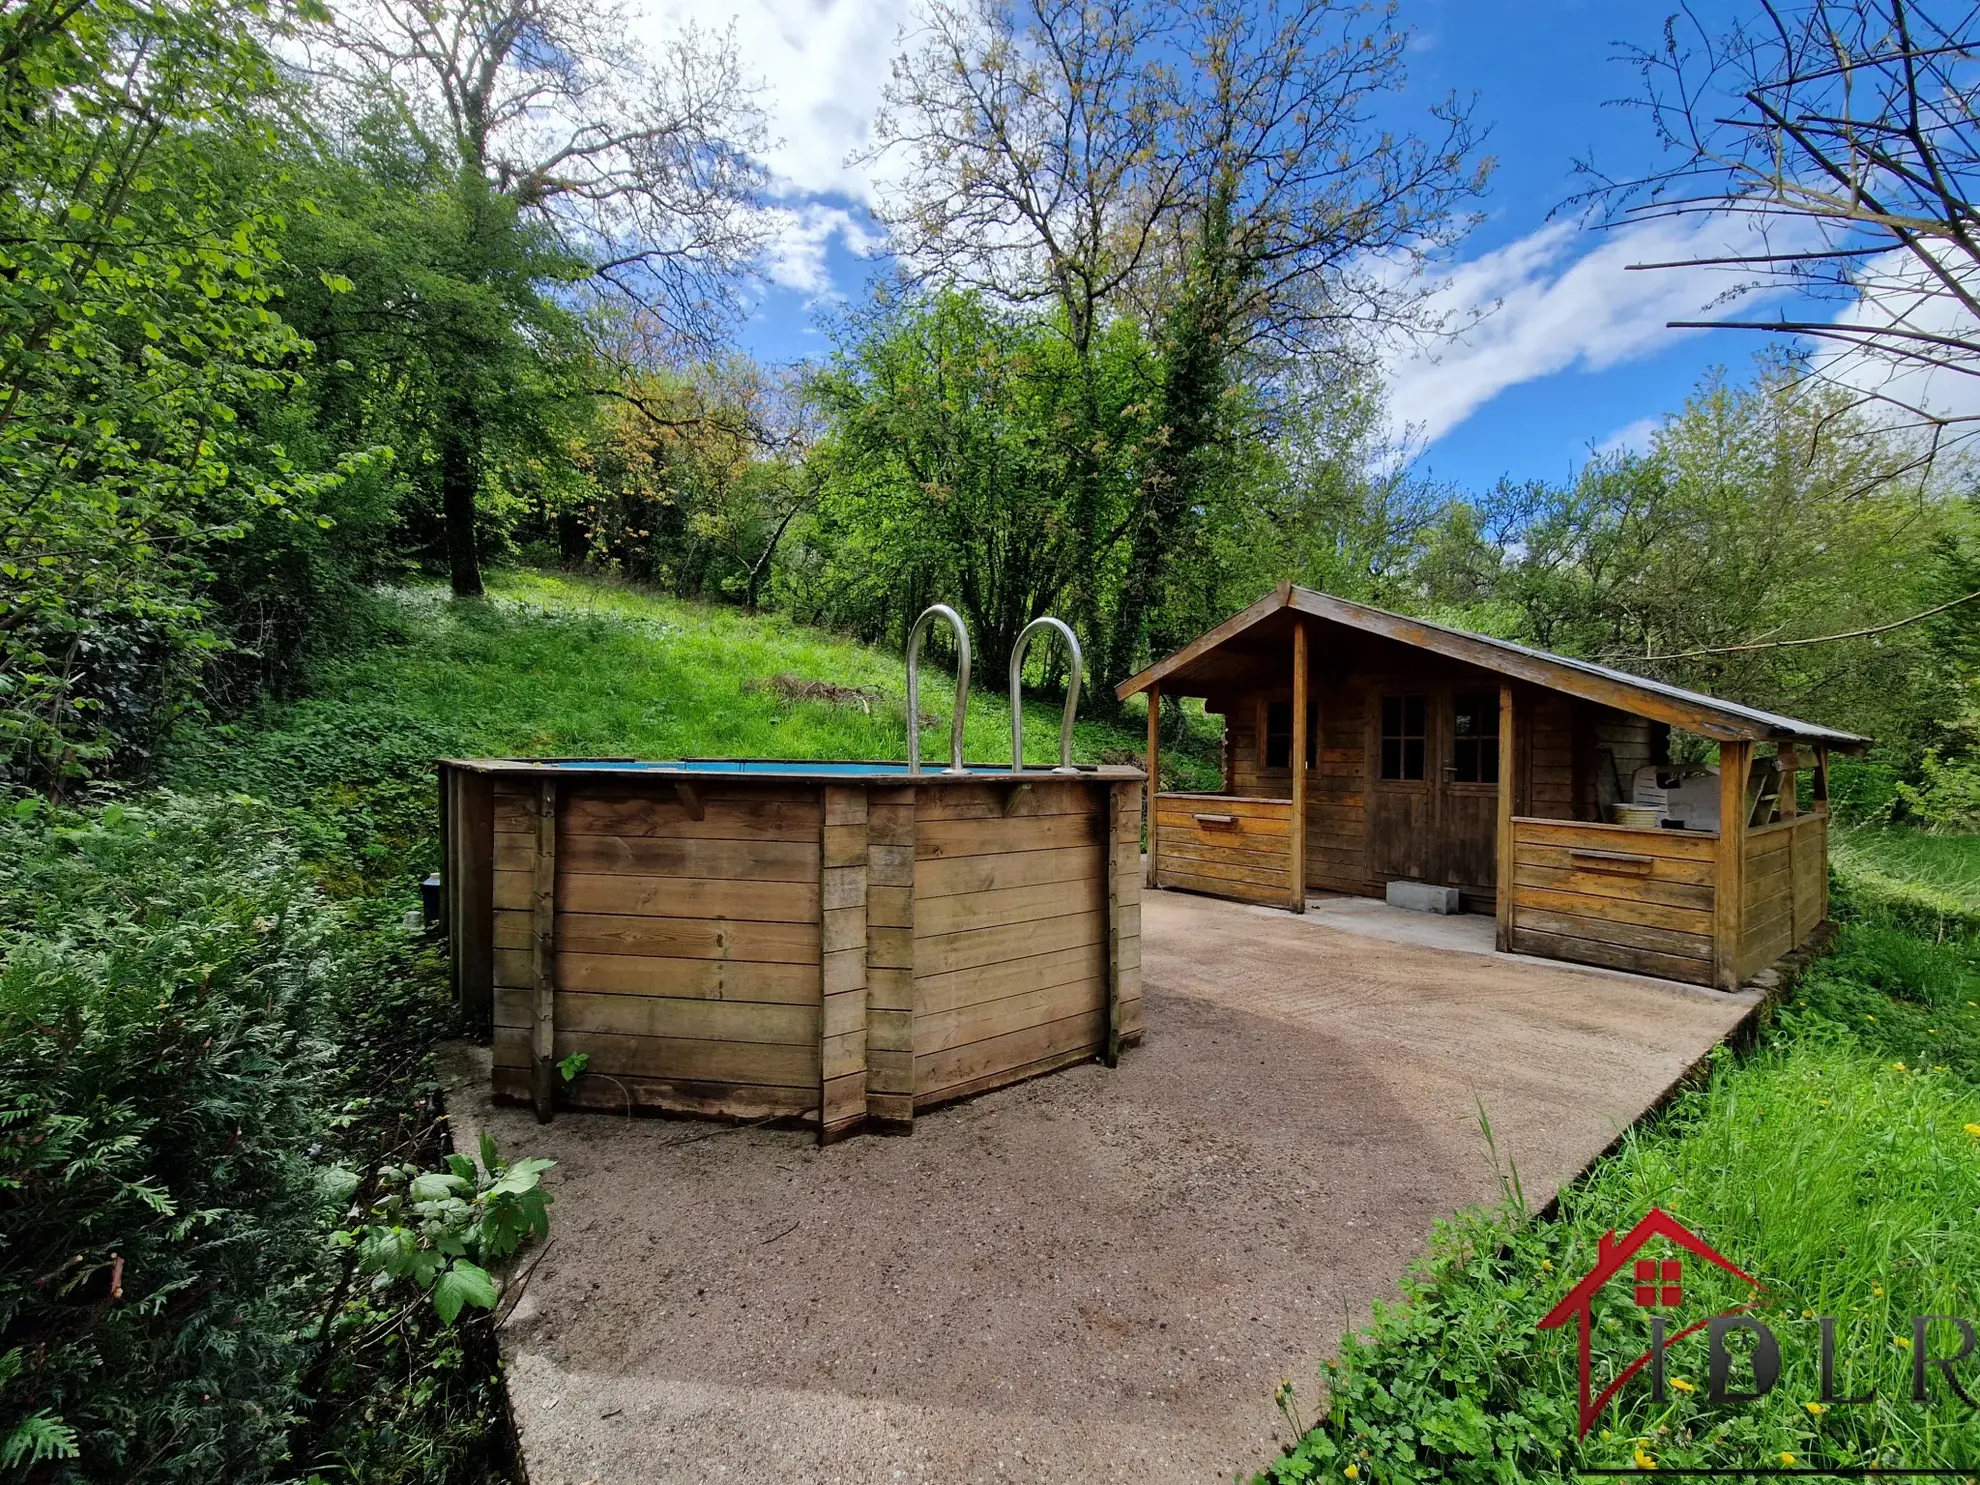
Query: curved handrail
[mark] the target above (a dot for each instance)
(928, 616)
(1072, 692)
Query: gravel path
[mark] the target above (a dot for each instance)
(1097, 1276)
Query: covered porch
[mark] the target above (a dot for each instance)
(1363, 748)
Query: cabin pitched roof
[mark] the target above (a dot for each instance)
(1711, 716)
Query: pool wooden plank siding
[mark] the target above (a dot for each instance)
(1010, 980)
(843, 950)
(681, 997)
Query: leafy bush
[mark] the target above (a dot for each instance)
(1947, 794)
(163, 998)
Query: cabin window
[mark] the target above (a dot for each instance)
(1278, 734)
(1402, 737)
(1475, 738)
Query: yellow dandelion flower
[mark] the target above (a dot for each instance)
(1606, 1435)
(1787, 1460)
(1546, 1265)
(1645, 1461)
(1974, 1130)
(1877, 1291)
(1682, 1385)
(1897, 1067)
(1816, 1409)
(1903, 1342)
(1869, 1018)
(1353, 1472)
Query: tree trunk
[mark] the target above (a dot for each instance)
(458, 478)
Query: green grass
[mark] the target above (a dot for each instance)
(557, 664)
(1838, 1162)
(1932, 878)
(552, 665)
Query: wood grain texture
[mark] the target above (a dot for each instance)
(1735, 760)
(1659, 917)
(469, 868)
(1155, 776)
(543, 945)
(1248, 859)
(1296, 808)
(629, 1093)
(843, 938)
(691, 1059)
(1504, 903)
(644, 974)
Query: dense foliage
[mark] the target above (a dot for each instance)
(164, 1007)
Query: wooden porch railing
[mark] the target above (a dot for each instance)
(1228, 845)
(1638, 900)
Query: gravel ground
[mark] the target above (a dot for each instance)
(1097, 1276)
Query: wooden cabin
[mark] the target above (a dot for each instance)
(1363, 748)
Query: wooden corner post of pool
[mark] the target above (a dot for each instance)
(543, 954)
(1729, 891)
(1507, 856)
(1123, 919)
(843, 954)
(1154, 781)
(890, 959)
(1296, 843)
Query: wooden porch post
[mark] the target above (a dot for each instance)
(1819, 785)
(1503, 887)
(1789, 762)
(1154, 779)
(1729, 893)
(1297, 886)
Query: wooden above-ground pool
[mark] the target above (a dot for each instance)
(846, 941)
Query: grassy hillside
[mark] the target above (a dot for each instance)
(552, 665)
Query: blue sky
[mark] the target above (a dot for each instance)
(1574, 355)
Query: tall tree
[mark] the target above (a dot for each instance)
(640, 168)
(1839, 140)
(139, 221)
(1121, 157)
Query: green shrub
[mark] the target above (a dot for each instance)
(165, 978)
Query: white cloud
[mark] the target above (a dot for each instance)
(822, 63)
(801, 236)
(1632, 438)
(1897, 291)
(1547, 306)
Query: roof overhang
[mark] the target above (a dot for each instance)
(1709, 716)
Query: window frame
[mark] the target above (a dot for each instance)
(1485, 783)
(1403, 737)
(1266, 703)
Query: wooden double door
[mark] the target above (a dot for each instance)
(1433, 785)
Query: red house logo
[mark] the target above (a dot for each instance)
(1656, 1284)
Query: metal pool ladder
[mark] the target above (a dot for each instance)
(933, 612)
(1072, 692)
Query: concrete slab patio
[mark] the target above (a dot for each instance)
(1096, 1276)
